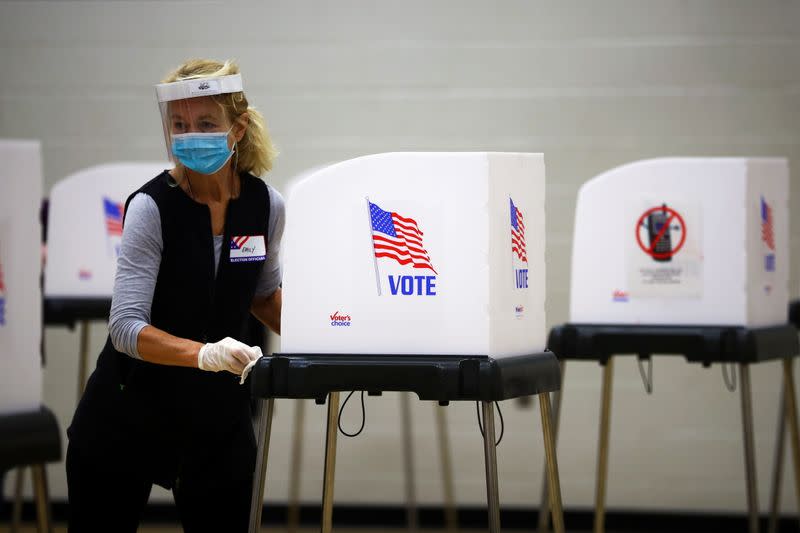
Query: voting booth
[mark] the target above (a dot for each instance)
(683, 241)
(85, 228)
(84, 233)
(685, 256)
(417, 254)
(419, 272)
(298, 437)
(29, 433)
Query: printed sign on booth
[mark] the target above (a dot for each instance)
(518, 249)
(113, 212)
(662, 225)
(7, 275)
(767, 244)
(400, 239)
(519, 255)
(767, 236)
(2, 295)
(665, 255)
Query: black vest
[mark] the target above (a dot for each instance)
(177, 421)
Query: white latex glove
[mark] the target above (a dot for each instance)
(227, 354)
(247, 370)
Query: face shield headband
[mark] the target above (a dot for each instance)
(192, 124)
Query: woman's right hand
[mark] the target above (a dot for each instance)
(227, 354)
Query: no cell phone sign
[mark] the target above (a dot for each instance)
(661, 232)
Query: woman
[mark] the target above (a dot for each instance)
(199, 252)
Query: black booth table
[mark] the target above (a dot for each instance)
(443, 378)
(67, 311)
(698, 344)
(31, 438)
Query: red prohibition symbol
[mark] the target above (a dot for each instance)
(671, 215)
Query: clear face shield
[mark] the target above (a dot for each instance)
(196, 127)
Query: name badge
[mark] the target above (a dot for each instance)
(246, 248)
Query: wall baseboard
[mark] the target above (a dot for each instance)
(469, 517)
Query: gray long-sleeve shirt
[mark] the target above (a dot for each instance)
(140, 259)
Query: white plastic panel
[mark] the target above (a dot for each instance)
(340, 296)
(700, 268)
(20, 270)
(85, 227)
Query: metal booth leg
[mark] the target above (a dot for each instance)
(16, 512)
(777, 465)
(602, 450)
(490, 458)
(749, 449)
(293, 518)
(787, 411)
(330, 463)
(408, 460)
(552, 464)
(263, 430)
(450, 515)
(791, 412)
(83, 357)
(42, 497)
(544, 505)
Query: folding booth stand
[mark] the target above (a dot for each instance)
(434, 378)
(704, 345)
(694, 263)
(396, 266)
(443, 437)
(29, 433)
(788, 405)
(83, 238)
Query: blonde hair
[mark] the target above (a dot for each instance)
(255, 152)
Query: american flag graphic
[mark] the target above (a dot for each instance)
(2, 298)
(113, 216)
(767, 232)
(238, 242)
(518, 233)
(398, 238)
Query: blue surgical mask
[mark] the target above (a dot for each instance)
(202, 152)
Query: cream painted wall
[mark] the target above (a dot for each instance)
(591, 84)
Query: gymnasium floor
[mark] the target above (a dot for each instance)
(60, 528)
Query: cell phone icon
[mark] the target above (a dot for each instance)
(660, 243)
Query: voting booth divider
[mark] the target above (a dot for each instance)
(684, 256)
(414, 272)
(298, 420)
(29, 433)
(406, 430)
(85, 214)
(444, 275)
